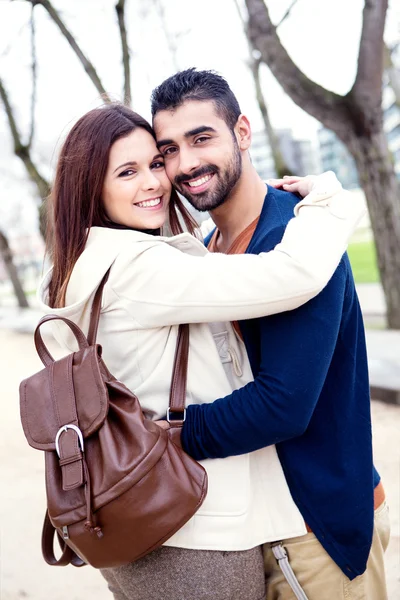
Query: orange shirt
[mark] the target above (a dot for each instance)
(239, 246)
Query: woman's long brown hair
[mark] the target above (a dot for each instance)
(75, 202)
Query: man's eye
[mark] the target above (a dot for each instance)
(169, 151)
(201, 139)
(127, 173)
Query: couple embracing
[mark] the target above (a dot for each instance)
(278, 406)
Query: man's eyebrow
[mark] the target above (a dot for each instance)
(201, 129)
(188, 134)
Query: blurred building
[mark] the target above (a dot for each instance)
(261, 156)
(300, 156)
(335, 157)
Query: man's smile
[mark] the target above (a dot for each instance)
(199, 185)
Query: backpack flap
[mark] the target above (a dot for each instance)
(69, 391)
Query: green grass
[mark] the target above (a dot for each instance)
(363, 262)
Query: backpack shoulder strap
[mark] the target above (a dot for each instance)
(95, 312)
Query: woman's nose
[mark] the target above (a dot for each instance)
(151, 182)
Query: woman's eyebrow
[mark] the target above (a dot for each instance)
(130, 163)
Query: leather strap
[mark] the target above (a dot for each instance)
(96, 309)
(67, 557)
(63, 395)
(177, 395)
(44, 354)
(177, 398)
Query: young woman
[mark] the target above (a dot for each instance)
(110, 200)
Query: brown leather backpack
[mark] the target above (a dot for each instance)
(117, 486)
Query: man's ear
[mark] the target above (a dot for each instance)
(243, 132)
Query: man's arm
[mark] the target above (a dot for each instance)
(296, 351)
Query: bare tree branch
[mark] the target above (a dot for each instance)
(254, 63)
(11, 119)
(312, 97)
(367, 87)
(287, 14)
(170, 38)
(11, 44)
(85, 62)
(23, 152)
(8, 260)
(120, 9)
(34, 77)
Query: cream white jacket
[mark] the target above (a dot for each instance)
(156, 283)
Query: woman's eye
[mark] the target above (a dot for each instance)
(158, 165)
(127, 173)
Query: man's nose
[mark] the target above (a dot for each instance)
(189, 161)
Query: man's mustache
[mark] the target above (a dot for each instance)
(208, 170)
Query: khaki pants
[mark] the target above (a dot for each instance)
(320, 577)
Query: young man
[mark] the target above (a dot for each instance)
(310, 395)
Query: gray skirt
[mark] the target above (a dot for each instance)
(180, 574)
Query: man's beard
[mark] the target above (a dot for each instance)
(225, 182)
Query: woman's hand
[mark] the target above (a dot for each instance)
(294, 184)
(305, 185)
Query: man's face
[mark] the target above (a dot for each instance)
(202, 156)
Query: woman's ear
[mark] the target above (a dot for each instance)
(243, 132)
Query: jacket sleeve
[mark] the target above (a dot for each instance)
(296, 350)
(162, 285)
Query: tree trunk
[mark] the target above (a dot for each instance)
(380, 185)
(356, 118)
(6, 254)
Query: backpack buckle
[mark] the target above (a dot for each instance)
(174, 416)
(65, 428)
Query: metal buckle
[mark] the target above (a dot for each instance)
(64, 428)
(178, 415)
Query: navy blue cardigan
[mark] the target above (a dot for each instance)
(310, 397)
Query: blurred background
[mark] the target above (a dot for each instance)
(320, 83)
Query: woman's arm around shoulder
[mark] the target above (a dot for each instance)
(164, 286)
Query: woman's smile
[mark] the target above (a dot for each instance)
(151, 203)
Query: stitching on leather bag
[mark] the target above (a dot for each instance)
(99, 389)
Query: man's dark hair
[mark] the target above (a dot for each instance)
(200, 86)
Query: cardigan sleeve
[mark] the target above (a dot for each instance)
(296, 349)
(162, 285)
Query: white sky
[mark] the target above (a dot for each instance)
(321, 35)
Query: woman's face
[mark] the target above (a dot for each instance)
(136, 189)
